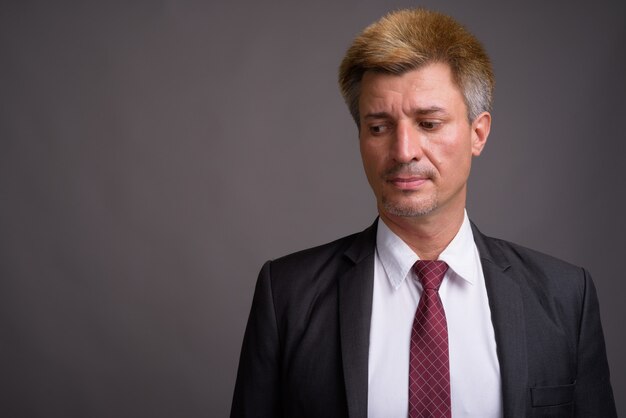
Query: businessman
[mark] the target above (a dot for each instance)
(421, 315)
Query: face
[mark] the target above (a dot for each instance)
(416, 141)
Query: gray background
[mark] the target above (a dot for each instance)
(154, 154)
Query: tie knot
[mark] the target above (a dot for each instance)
(430, 273)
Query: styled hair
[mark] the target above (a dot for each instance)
(408, 39)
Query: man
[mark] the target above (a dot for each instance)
(421, 315)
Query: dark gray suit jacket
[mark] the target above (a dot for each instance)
(305, 349)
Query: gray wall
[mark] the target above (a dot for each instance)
(153, 154)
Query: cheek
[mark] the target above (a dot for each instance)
(450, 157)
(371, 156)
(366, 158)
(373, 165)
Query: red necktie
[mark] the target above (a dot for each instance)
(429, 368)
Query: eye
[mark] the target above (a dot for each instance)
(378, 129)
(429, 125)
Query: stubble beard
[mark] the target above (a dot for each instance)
(407, 207)
(409, 203)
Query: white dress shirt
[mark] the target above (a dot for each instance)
(475, 385)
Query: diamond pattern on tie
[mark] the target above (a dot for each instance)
(429, 369)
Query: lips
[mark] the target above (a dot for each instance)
(408, 183)
(408, 176)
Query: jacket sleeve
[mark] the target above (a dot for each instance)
(593, 396)
(257, 390)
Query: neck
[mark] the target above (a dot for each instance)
(427, 235)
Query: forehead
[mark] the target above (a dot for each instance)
(427, 86)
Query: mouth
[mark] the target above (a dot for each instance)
(408, 177)
(407, 183)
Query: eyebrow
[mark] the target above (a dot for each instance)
(419, 111)
(430, 110)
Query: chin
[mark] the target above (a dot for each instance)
(409, 207)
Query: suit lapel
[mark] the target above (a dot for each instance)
(507, 316)
(355, 311)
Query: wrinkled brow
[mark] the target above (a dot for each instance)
(419, 111)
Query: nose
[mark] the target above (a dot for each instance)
(407, 144)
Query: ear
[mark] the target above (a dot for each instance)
(480, 131)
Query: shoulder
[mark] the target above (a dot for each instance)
(315, 255)
(533, 269)
(348, 249)
(519, 255)
(319, 267)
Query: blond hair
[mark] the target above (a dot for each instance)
(409, 39)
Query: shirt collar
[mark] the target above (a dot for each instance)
(398, 258)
